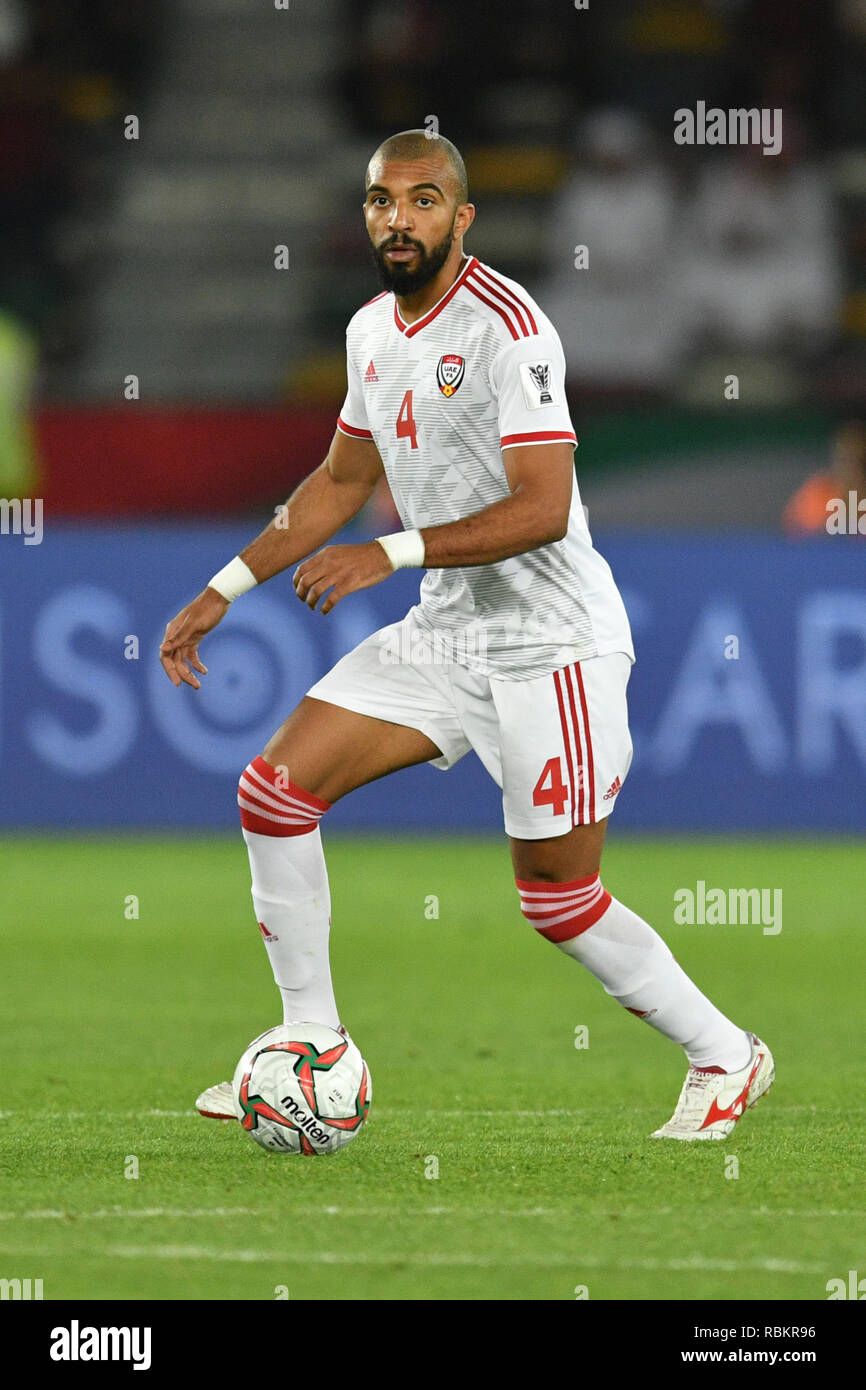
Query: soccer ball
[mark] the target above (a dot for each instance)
(302, 1088)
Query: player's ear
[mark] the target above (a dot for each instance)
(465, 217)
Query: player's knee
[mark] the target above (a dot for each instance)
(561, 911)
(271, 803)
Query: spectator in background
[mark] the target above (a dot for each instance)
(619, 320)
(760, 266)
(807, 511)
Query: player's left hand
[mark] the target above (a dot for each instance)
(342, 569)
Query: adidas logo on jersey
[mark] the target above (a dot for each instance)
(370, 374)
(612, 790)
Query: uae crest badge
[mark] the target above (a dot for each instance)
(449, 373)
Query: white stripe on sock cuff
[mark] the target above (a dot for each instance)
(537, 904)
(233, 579)
(256, 809)
(256, 785)
(584, 897)
(405, 549)
(285, 813)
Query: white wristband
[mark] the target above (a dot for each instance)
(233, 579)
(404, 549)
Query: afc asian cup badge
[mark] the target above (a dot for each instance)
(449, 373)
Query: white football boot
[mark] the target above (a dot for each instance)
(711, 1102)
(218, 1102)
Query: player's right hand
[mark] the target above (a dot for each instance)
(179, 648)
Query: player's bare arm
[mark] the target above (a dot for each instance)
(317, 509)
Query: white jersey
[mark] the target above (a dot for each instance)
(480, 372)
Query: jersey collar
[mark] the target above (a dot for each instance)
(409, 329)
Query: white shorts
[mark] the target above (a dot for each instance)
(557, 745)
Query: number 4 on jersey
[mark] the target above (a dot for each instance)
(406, 421)
(556, 793)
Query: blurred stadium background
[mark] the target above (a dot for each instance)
(153, 258)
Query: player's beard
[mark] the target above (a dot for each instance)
(404, 279)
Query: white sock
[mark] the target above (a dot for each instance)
(637, 968)
(293, 904)
(634, 965)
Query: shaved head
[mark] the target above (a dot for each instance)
(419, 144)
(417, 210)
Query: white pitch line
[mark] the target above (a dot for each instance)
(130, 1213)
(398, 1213)
(100, 1114)
(182, 1213)
(576, 1262)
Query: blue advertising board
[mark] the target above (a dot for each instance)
(748, 699)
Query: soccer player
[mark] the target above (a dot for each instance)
(519, 647)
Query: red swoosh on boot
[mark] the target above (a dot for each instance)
(715, 1113)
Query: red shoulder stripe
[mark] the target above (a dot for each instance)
(506, 292)
(492, 305)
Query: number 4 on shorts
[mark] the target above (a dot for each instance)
(556, 793)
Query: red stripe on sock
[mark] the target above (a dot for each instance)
(270, 774)
(259, 826)
(567, 931)
(268, 807)
(541, 901)
(573, 883)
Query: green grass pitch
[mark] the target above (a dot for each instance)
(547, 1180)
